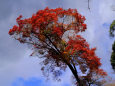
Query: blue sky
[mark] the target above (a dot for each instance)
(30, 82)
(18, 69)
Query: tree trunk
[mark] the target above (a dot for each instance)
(75, 75)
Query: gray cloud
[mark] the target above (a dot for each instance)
(55, 3)
(12, 53)
(10, 10)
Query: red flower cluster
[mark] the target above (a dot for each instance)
(80, 47)
(48, 19)
(57, 31)
(12, 31)
(101, 72)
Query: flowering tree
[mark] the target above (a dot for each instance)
(47, 31)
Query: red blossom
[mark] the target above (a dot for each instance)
(15, 28)
(57, 31)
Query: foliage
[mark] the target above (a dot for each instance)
(47, 31)
(112, 28)
(113, 56)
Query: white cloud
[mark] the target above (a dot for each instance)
(106, 11)
(25, 67)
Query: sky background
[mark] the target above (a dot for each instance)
(17, 68)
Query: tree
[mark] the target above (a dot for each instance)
(113, 56)
(112, 29)
(47, 32)
(112, 34)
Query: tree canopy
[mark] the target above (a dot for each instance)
(48, 33)
(113, 56)
(112, 34)
(112, 29)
